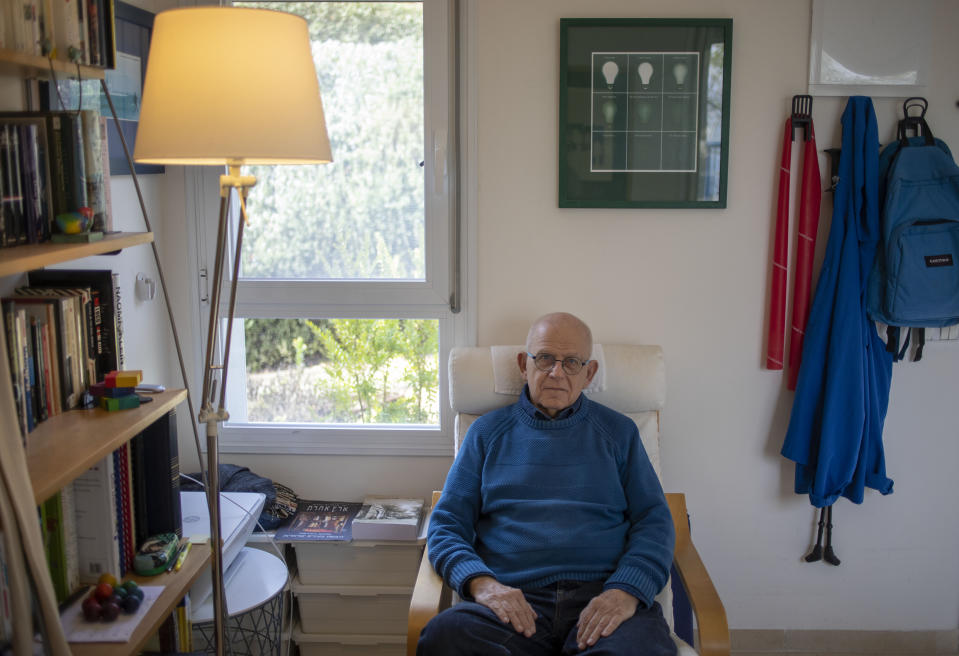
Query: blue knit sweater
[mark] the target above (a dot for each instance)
(531, 501)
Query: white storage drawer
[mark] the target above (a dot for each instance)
(349, 645)
(358, 563)
(353, 609)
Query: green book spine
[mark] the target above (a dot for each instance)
(55, 547)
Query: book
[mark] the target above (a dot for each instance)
(51, 517)
(93, 162)
(385, 518)
(70, 326)
(98, 538)
(15, 358)
(68, 517)
(11, 199)
(102, 285)
(65, 147)
(43, 315)
(69, 43)
(34, 173)
(105, 171)
(118, 510)
(76, 238)
(118, 317)
(129, 519)
(126, 525)
(156, 474)
(38, 381)
(84, 323)
(320, 521)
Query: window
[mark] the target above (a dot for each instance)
(343, 301)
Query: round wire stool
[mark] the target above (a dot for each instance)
(254, 585)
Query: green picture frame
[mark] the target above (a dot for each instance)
(644, 112)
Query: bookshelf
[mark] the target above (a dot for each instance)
(64, 446)
(175, 585)
(93, 434)
(13, 62)
(20, 259)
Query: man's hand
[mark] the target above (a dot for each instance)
(509, 604)
(603, 615)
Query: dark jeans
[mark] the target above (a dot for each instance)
(470, 629)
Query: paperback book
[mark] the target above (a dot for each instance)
(383, 518)
(316, 521)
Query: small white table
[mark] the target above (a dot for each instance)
(254, 585)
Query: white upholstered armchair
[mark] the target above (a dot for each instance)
(631, 379)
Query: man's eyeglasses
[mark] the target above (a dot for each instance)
(546, 362)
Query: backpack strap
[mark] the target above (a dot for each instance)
(920, 342)
(892, 341)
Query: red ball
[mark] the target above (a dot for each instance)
(103, 591)
(110, 611)
(91, 609)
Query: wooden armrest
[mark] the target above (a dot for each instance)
(430, 596)
(710, 615)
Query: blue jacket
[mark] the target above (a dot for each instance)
(531, 501)
(835, 429)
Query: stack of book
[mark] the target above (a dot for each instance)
(52, 163)
(63, 332)
(79, 31)
(140, 483)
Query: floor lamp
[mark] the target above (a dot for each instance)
(225, 87)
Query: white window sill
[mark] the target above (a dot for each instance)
(341, 440)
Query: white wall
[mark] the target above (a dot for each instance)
(696, 283)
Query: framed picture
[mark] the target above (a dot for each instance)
(644, 112)
(134, 27)
(889, 55)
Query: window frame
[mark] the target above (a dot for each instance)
(443, 22)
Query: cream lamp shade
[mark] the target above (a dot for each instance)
(231, 86)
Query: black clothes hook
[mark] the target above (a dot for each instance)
(801, 117)
(915, 122)
(833, 167)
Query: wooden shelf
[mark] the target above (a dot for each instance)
(63, 447)
(26, 65)
(19, 259)
(176, 584)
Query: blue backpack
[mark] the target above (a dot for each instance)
(914, 281)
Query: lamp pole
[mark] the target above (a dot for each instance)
(212, 415)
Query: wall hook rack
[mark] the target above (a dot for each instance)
(914, 122)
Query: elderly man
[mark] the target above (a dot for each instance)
(552, 525)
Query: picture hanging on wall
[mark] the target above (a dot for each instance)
(644, 112)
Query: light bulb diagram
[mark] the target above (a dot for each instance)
(610, 71)
(645, 112)
(609, 111)
(645, 71)
(680, 70)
